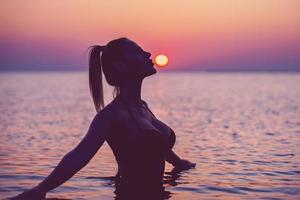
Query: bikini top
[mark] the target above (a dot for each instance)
(150, 138)
(144, 155)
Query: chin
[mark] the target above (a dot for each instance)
(148, 70)
(152, 71)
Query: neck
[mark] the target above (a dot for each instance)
(131, 92)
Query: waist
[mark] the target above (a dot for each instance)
(138, 188)
(142, 172)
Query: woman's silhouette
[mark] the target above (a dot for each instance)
(140, 142)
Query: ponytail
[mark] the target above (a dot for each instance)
(95, 76)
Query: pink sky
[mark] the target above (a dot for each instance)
(207, 34)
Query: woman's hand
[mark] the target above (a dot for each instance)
(32, 194)
(178, 163)
(184, 165)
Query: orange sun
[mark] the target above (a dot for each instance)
(161, 60)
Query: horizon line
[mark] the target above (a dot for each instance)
(162, 70)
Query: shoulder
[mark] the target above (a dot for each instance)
(112, 112)
(105, 115)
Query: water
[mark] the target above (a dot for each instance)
(242, 130)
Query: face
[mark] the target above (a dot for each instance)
(138, 61)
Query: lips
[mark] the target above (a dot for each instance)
(151, 62)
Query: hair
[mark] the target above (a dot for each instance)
(98, 61)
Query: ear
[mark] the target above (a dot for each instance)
(120, 67)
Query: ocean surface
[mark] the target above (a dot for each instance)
(242, 130)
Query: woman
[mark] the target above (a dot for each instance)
(140, 142)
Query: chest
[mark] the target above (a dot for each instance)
(145, 120)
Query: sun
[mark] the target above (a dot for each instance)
(161, 60)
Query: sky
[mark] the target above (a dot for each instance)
(194, 34)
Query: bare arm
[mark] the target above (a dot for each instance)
(76, 159)
(172, 158)
(178, 163)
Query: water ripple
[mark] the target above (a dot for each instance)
(241, 129)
